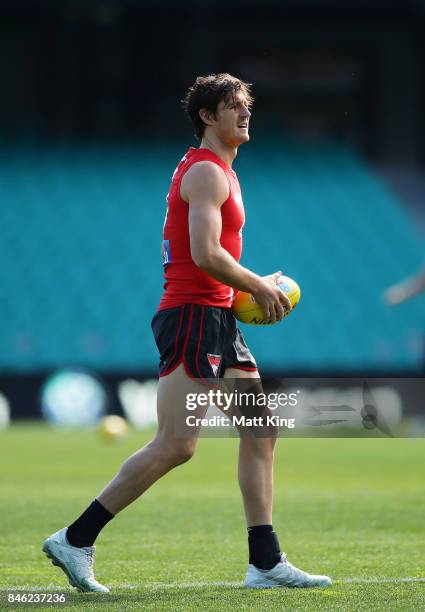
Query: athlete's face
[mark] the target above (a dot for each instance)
(231, 122)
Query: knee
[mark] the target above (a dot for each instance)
(176, 452)
(261, 447)
(182, 453)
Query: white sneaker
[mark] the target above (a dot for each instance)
(77, 563)
(283, 574)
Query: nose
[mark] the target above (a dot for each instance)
(245, 112)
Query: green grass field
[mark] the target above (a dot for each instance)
(350, 508)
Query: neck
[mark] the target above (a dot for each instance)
(225, 152)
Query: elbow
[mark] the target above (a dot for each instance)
(203, 260)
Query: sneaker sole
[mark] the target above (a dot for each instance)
(286, 586)
(55, 561)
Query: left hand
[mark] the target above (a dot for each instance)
(285, 303)
(274, 278)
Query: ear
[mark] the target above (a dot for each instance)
(206, 116)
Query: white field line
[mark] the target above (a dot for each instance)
(194, 585)
(203, 585)
(378, 580)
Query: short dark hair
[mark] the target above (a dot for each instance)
(208, 91)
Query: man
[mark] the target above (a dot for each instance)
(197, 337)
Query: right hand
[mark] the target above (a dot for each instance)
(274, 303)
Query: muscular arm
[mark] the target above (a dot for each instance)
(205, 188)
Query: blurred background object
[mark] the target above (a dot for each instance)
(406, 289)
(4, 412)
(73, 398)
(333, 180)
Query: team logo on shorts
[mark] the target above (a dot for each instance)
(214, 361)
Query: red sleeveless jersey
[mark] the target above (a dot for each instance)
(185, 282)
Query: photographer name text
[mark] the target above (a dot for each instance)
(240, 421)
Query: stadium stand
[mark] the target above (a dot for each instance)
(81, 272)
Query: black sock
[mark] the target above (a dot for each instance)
(264, 547)
(84, 531)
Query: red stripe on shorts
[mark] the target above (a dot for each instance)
(199, 341)
(189, 329)
(175, 341)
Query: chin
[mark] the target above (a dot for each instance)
(242, 140)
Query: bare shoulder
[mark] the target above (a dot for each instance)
(205, 180)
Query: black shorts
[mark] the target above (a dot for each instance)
(205, 339)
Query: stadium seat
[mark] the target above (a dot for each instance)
(81, 271)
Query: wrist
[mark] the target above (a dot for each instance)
(256, 284)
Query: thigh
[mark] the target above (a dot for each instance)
(249, 382)
(174, 392)
(243, 381)
(238, 373)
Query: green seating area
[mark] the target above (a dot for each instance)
(81, 270)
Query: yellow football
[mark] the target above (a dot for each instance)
(112, 428)
(246, 309)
